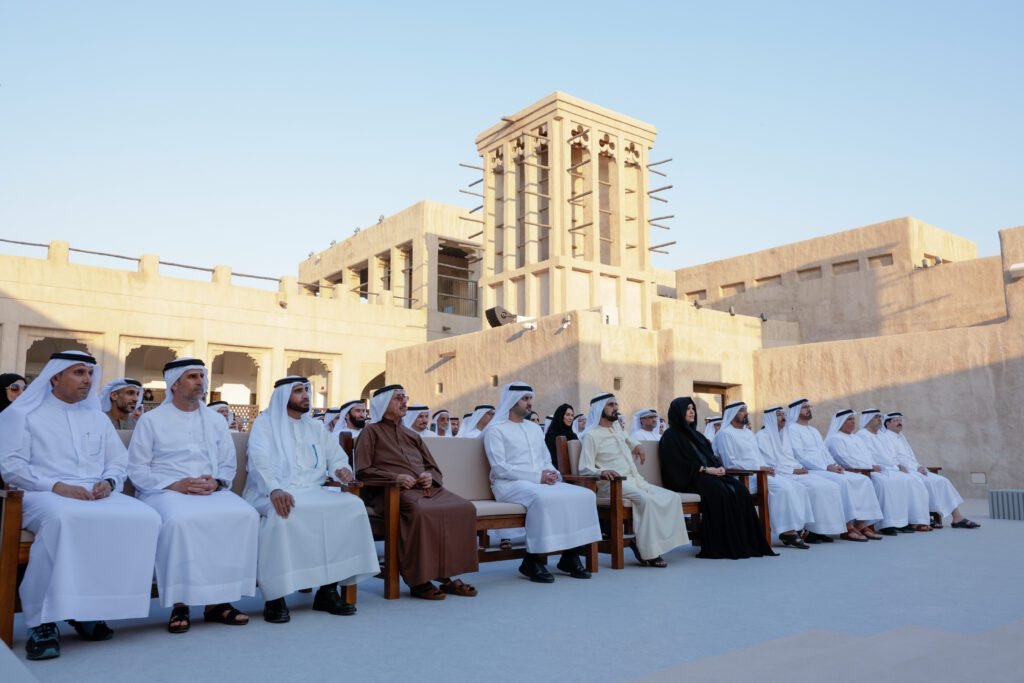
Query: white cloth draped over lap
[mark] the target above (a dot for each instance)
(943, 497)
(859, 499)
(91, 559)
(826, 495)
(917, 492)
(892, 494)
(788, 502)
(207, 548)
(559, 516)
(326, 537)
(658, 520)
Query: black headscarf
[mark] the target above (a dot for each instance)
(6, 380)
(557, 428)
(683, 450)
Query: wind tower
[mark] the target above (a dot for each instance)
(565, 216)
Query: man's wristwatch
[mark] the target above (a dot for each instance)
(221, 484)
(113, 484)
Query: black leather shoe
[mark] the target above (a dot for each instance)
(906, 529)
(276, 611)
(92, 630)
(888, 531)
(535, 571)
(328, 600)
(818, 538)
(571, 565)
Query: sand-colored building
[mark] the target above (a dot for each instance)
(898, 315)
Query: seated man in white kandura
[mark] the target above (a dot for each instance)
(560, 517)
(826, 496)
(788, 502)
(645, 425)
(883, 457)
(658, 520)
(943, 498)
(182, 462)
(92, 558)
(309, 535)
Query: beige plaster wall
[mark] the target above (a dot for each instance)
(877, 298)
(114, 311)
(960, 389)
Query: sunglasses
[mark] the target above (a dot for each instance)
(16, 388)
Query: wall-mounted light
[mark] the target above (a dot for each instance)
(764, 317)
(566, 321)
(732, 310)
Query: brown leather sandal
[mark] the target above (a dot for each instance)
(458, 587)
(426, 591)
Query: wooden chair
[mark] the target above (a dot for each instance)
(617, 512)
(466, 474)
(16, 543)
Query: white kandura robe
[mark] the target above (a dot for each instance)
(644, 435)
(559, 516)
(789, 504)
(893, 495)
(917, 492)
(207, 549)
(943, 497)
(92, 560)
(859, 499)
(326, 537)
(826, 495)
(658, 520)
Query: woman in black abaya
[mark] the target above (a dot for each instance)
(729, 523)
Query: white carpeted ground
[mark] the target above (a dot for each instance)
(946, 606)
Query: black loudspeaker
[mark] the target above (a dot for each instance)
(498, 316)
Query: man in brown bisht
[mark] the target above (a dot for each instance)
(437, 531)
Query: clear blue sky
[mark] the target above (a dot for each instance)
(251, 133)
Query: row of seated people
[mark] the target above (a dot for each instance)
(96, 549)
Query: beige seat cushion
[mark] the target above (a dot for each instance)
(492, 508)
(27, 536)
(464, 467)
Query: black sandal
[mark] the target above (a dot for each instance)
(180, 615)
(965, 524)
(225, 613)
(793, 541)
(656, 562)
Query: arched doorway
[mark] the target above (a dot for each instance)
(234, 376)
(146, 364)
(40, 351)
(372, 386)
(319, 377)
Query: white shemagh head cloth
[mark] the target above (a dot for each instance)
(793, 414)
(437, 429)
(597, 405)
(709, 428)
(343, 415)
(771, 427)
(414, 412)
(12, 420)
(280, 424)
(641, 414)
(469, 422)
(576, 424)
(380, 400)
(176, 368)
(868, 415)
(215, 407)
(730, 413)
(118, 384)
(838, 420)
(885, 423)
(511, 394)
(547, 423)
(331, 418)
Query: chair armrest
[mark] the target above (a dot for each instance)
(582, 478)
(934, 470)
(11, 493)
(379, 483)
(859, 470)
(749, 473)
(353, 487)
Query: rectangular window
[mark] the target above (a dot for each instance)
(809, 274)
(771, 281)
(844, 267)
(733, 289)
(697, 295)
(880, 261)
